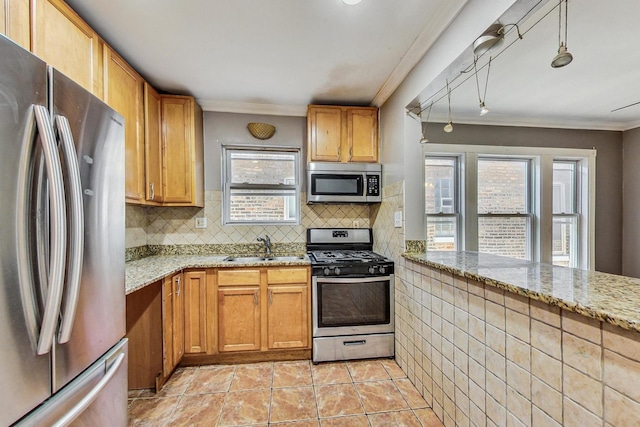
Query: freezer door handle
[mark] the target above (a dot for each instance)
(84, 403)
(76, 229)
(58, 231)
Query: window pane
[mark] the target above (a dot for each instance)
(441, 233)
(564, 187)
(262, 205)
(262, 168)
(565, 242)
(502, 186)
(440, 181)
(505, 236)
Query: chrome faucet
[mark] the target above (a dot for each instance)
(267, 244)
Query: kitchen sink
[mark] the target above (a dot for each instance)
(260, 258)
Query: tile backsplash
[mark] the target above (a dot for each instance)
(176, 226)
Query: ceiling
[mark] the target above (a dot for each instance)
(523, 88)
(272, 57)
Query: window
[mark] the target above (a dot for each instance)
(504, 207)
(441, 207)
(261, 186)
(565, 213)
(522, 202)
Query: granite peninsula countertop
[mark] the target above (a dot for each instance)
(145, 271)
(607, 297)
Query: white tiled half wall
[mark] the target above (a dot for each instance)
(488, 358)
(176, 226)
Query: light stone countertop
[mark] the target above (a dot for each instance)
(146, 271)
(607, 297)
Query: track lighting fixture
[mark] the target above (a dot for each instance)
(563, 57)
(424, 139)
(449, 126)
(483, 108)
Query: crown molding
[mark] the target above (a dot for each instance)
(253, 108)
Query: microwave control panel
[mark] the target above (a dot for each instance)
(373, 185)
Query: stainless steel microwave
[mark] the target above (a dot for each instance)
(344, 182)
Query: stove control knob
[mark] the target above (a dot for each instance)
(372, 270)
(326, 271)
(336, 271)
(382, 269)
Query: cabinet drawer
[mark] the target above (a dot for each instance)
(286, 275)
(238, 277)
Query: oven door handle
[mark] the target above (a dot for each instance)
(347, 280)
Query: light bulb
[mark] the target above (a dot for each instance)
(424, 139)
(483, 109)
(351, 2)
(448, 127)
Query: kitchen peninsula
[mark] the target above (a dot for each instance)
(497, 341)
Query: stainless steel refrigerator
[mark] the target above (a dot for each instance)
(63, 355)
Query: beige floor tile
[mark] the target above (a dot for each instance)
(353, 421)
(245, 407)
(178, 383)
(330, 373)
(293, 404)
(428, 418)
(304, 423)
(338, 399)
(291, 374)
(211, 379)
(151, 412)
(253, 376)
(198, 410)
(392, 368)
(367, 370)
(410, 394)
(380, 396)
(132, 394)
(396, 419)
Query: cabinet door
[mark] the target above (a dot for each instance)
(153, 144)
(167, 327)
(177, 143)
(14, 21)
(362, 135)
(61, 38)
(123, 89)
(288, 316)
(195, 312)
(178, 319)
(324, 127)
(238, 318)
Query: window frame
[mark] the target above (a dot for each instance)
(456, 197)
(228, 186)
(541, 198)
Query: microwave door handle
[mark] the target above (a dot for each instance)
(76, 230)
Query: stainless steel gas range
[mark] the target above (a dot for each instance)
(352, 295)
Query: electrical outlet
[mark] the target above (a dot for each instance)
(356, 224)
(397, 218)
(201, 222)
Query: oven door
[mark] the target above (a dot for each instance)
(347, 187)
(348, 306)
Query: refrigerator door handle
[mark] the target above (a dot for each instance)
(80, 407)
(76, 229)
(58, 232)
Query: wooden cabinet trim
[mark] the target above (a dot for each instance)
(286, 275)
(228, 277)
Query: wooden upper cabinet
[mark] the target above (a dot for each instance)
(61, 38)
(153, 144)
(14, 21)
(362, 134)
(342, 134)
(123, 90)
(325, 133)
(182, 142)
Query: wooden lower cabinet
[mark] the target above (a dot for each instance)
(263, 309)
(288, 317)
(172, 323)
(239, 318)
